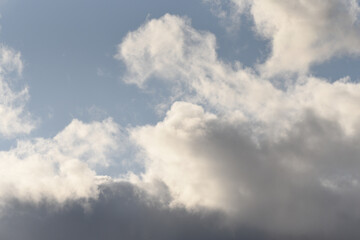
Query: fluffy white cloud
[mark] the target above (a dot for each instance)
(302, 33)
(307, 32)
(161, 46)
(56, 169)
(170, 49)
(60, 168)
(263, 150)
(13, 117)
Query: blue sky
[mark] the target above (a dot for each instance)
(218, 119)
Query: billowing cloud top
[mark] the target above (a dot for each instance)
(255, 148)
(58, 169)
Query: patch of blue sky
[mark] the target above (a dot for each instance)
(339, 67)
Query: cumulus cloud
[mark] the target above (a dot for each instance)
(148, 51)
(234, 157)
(57, 169)
(302, 33)
(299, 184)
(282, 160)
(61, 168)
(13, 117)
(187, 57)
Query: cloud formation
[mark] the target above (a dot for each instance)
(302, 33)
(58, 169)
(299, 184)
(283, 160)
(235, 156)
(187, 58)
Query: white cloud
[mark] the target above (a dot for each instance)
(149, 51)
(284, 186)
(263, 149)
(184, 124)
(304, 33)
(60, 168)
(170, 49)
(13, 117)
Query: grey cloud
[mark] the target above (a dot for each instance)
(288, 178)
(305, 183)
(122, 211)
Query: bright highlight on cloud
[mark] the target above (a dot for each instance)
(61, 168)
(302, 33)
(307, 32)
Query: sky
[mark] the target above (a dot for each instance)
(201, 119)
